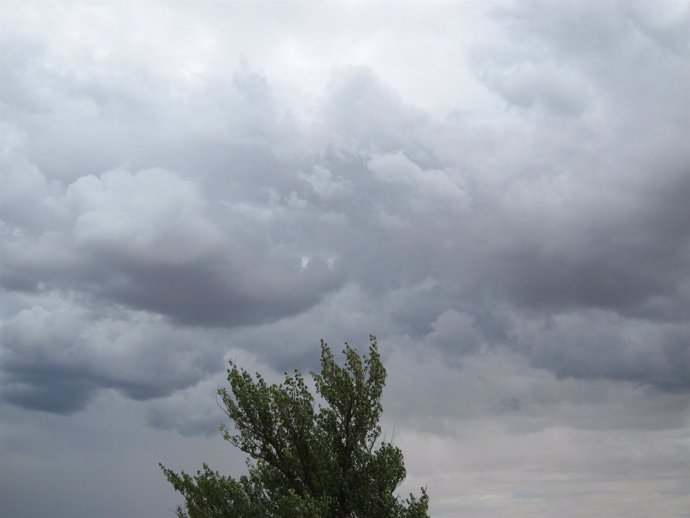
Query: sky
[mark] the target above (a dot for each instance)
(497, 190)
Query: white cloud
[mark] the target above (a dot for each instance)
(146, 214)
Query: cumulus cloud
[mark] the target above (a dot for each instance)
(121, 240)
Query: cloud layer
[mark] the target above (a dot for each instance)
(507, 210)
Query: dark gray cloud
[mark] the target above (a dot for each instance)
(58, 355)
(120, 242)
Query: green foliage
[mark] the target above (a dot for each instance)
(310, 460)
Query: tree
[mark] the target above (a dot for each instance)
(307, 459)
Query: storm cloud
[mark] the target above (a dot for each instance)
(499, 192)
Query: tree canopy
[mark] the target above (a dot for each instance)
(308, 458)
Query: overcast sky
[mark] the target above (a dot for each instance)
(499, 191)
